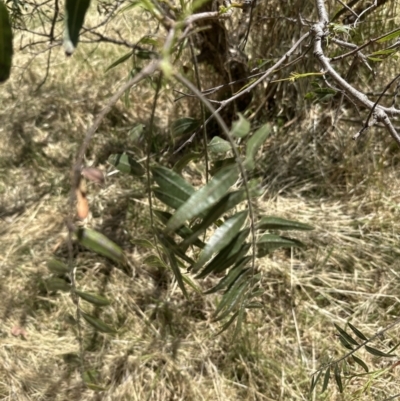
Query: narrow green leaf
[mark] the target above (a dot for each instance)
(218, 146)
(226, 325)
(184, 125)
(241, 127)
(221, 238)
(391, 36)
(204, 198)
(269, 242)
(240, 318)
(119, 61)
(254, 145)
(326, 379)
(361, 363)
(226, 258)
(75, 11)
(174, 247)
(90, 378)
(145, 54)
(57, 267)
(277, 223)
(347, 336)
(174, 263)
(377, 352)
(314, 381)
(168, 198)
(98, 324)
(154, 261)
(228, 202)
(383, 52)
(6, 43)
(220, 164)
(143, 243)
(345, 343)
(338, 378)
(100, 244)
(136, 132)
(126, 164)
(172, 183)
(93, 298)
(57, 284)
(184, 232)
(231, 277)
(185, 160)
(357, 332)
(235, 297)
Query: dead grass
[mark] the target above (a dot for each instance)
(166, 347)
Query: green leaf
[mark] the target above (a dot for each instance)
(338, 378)
(326, 379)
(226, 258)
(218, 146)
(174, 247)
(390, 36)
(383, 52)
(314, 381)
(145, 54)
(154, 261)
(269, 242)
(172, 183)
(220, 164)
(136, 131)
(361, 363)
(204, 198)
(143, 243)
(57, 267)
(254, 145)
(100, 244)
(183, 126)
(226, 325)
(357, 332)
(93, 298)
(277, 223)
(6, 45)
(231, 300)
(90, 378)
(345, 343)
(240, 318)
(345, 335)
(221, 238)
(185, 160)
(228, 202)
(183, 232)
(57, 284)
(119, 61)
(168, 198)
(98, 324)
(240, 128)
(174, 263)
(75, 11)
(126, 164)
(377, 352)
(231, 277)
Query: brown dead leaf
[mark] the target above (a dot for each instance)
(82, 204)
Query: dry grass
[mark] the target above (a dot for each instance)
(166, 347)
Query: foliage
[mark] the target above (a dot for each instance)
(211, 230)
